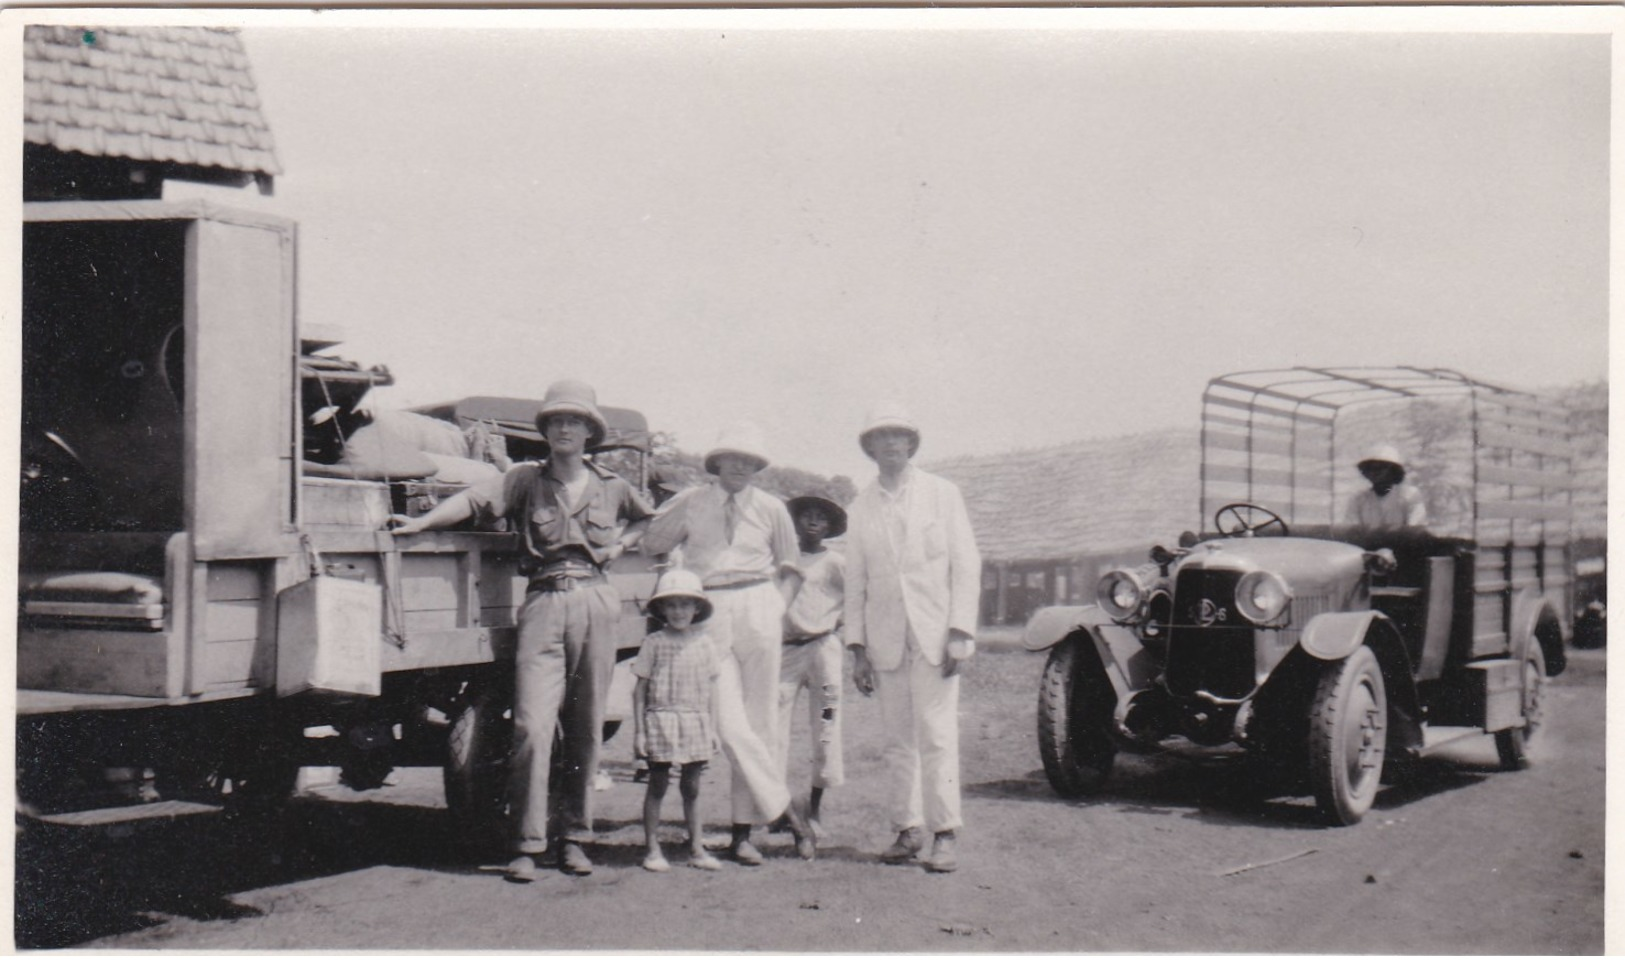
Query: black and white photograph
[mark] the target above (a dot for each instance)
(811, 480)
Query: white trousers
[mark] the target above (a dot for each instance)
(816, 668)
(919, 709)
(747, 624)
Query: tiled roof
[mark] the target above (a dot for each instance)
(168, 94)
(1082, 498)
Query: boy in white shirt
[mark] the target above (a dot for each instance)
(812, 647)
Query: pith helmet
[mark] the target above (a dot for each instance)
(1382, 453)
(831, 510)
(680, 583)
(573, 396)
(889, 415)
(744, 439)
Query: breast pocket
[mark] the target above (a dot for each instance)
(600, 526)
(544, 522)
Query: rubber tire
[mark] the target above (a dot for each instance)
(475, 772)
(1350, 692)
(1513, 745)
(1075, 707)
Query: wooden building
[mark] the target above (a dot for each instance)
(110, 113)
(1050, 521)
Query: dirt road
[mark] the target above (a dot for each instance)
(1463, 860)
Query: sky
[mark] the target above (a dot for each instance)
(1026, 229)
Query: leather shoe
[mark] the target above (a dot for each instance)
(521, 869)
(746, 853)
(574, 860)
(907, 845)
(943, 859)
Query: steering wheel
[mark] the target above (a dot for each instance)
(1247, 520)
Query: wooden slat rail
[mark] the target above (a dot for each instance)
(1263, 477)
(1504, 419)
(1523, 511)
(1490, 473)
(1222, 420)
(1231, 441)
(1270, 411)
(1525, 442)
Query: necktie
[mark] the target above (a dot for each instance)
(730, 517)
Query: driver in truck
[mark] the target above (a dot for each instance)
(1391, 503)
(575, 518)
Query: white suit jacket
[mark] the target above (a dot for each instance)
(933, 584)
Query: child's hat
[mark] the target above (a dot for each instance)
(680, 583)
(832, 512)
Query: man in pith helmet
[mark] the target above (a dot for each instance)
(1391, 503)
(574, 519)
(913, 586)
(739, 539)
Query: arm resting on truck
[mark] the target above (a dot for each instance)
(448, 512)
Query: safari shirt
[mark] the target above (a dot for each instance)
(1401, 507)
(764, 540)
(549, 526)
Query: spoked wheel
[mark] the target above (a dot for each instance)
(1348, 732)
(1513, 745)
(476, 768)
(1075, 706)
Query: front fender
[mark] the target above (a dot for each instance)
(1125, 659)
(1333, 636)
(1048, 625)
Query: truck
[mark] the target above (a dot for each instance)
(1321, 655)
(207, 591)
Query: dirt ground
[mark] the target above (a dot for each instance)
(1462, 860)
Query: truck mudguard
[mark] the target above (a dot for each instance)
(1122, 654)
(1333, 636)
(1535, 620)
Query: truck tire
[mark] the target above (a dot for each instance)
(1348, 732)
(1075, 707)
(475, 773)
(1513, 745)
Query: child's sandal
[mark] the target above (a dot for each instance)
(704, 861)
(656, 863)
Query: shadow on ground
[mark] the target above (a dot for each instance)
(1222, 793)
(78, 883)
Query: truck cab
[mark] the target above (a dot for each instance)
(1318, 651)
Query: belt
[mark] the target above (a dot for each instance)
(737, 584)
(565, 582)
(803, 641)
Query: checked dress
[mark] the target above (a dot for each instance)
(681, 669)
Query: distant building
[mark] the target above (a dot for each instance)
(1049, 522)
(110, 113)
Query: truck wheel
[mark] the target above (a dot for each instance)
(1348, 730)
(1075, 705)
(1513, 745)
(476, 768)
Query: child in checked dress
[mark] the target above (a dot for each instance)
(674, 710)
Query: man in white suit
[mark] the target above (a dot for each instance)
(913, 582)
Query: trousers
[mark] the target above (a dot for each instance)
(919, 709)
(747, 625)
(562, 668)
(816, 668)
